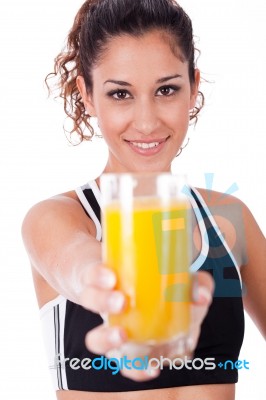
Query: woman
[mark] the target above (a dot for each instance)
(131, 64)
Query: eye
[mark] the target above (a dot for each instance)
(119, 94)
(167, 90)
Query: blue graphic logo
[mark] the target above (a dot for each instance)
(229, 364)
(222, 231)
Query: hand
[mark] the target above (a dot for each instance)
(100, 297)
(95, 291)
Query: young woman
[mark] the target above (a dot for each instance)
(130, 63)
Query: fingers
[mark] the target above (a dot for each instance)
(102, 301)
(96, 294)
(110, 341)
(98, 276)
(99, 297)
(140, 375)
(203, 288)
(102, 339)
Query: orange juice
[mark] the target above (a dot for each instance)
(147, 245)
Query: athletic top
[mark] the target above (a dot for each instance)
(65, 323)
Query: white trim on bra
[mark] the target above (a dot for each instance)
(219, 233)
(50, 304)
(87, 206)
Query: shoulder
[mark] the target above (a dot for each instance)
(225, 206)
(236, 223)
(214, 198)
(239, 226)
(53, 207)
(232, 208)
(228, 211)
(61, 210)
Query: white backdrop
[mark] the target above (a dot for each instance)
(37, 161)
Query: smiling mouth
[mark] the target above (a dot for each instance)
(147, 147)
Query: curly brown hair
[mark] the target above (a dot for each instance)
(95, 24)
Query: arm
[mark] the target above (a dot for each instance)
(61, 245)
(254, 272)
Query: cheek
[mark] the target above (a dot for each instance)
(178, 117)
(111, 122)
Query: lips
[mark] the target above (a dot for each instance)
(145, 145)
(148, 147)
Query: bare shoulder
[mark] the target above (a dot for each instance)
(231, 206)
(58, 211)
(53, 221)
(214, 198)
(248, 243)
(228, 214)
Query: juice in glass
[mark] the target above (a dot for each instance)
(146, 243)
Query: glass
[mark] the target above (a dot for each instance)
(147, 242)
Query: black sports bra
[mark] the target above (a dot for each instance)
(65, 324)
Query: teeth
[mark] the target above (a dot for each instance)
(146, 145)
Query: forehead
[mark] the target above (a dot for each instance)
(152, 53)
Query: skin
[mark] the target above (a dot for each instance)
(142, 110)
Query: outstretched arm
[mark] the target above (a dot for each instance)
(61, 245)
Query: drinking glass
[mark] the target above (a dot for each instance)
(147, 242)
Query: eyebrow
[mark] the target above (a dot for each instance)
(168, 78)
(161, 80)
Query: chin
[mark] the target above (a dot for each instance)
(151, 168)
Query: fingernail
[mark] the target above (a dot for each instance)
(114, 353)
(116, 302)
(115, 337)
(106, 280)
(201, 295)
(190, 344)
(180, 349)
(152, 372)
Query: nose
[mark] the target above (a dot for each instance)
(145, 117)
